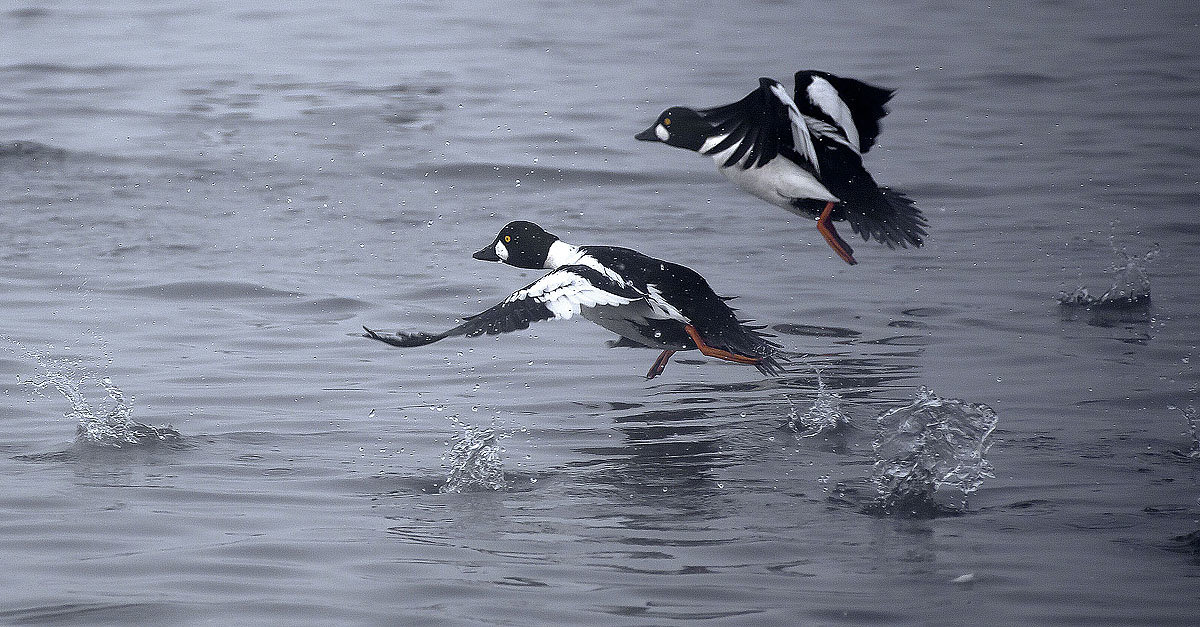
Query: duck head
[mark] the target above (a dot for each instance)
(680, 127)
(521, 244)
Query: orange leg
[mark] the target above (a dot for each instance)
(716, 352)
(660, 364)
(839, 245)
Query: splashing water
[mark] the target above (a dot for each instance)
(111, 426)
(474, 460)
(926, 445)
(1189, 414)
(1130, 288)
(824, 416)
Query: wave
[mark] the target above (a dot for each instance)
(515, 175)
(24, 152)
(99, 69)
(207, 290)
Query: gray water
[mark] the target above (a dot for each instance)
(203, 204)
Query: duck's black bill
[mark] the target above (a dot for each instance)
(488, 253)
(648, 135)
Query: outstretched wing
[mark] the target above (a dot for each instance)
(844, 110)
(561, 294)
(760, 126)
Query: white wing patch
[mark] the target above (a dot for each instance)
(661, 308)
(825, 129)
(593, 263)
(564, 254)
(801, 140)
(566, 293)
(825, 96)
(711, 143)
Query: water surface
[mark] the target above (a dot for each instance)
(205, 203)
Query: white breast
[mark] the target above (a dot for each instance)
(779, 182)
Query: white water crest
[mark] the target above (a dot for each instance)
(930, 444)
(110, 424)
(1130, 287)
(824, 416)
(474, 460)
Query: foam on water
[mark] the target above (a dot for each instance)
(474, 460)
(1130, 287)
(930, 444)
(111, 425)
(824, 416)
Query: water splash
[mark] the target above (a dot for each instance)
(1189, 414)
(1130, 287)
(111, 425)
(474, 460)
(824, 416)
(926, 445)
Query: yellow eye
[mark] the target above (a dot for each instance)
(666, 121)
(507, 239)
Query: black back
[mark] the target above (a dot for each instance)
(687, 291)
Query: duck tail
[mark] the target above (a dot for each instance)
(750, 340)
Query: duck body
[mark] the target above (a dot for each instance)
(648, 302)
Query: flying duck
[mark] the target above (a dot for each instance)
(804, 155)
(647, 301)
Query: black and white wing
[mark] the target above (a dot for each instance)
(843, 110)
(558, 295)
(760, 126)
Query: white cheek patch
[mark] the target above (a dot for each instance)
(662, 132)
(501, 251)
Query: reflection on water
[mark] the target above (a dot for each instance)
(677, 447)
